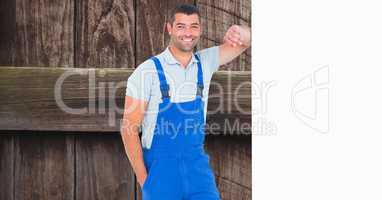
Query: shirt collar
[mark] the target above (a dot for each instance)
(169, 58)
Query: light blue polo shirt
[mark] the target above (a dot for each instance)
(143, 84)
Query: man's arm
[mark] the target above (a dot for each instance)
(236, 40)
(132, 118)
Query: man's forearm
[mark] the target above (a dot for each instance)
(133, 150)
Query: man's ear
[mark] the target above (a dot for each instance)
(169, 28)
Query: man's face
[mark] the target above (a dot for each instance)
(185, 31)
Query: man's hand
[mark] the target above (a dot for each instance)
(236, 40)
(238, 36)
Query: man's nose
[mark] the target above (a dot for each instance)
(188, 31)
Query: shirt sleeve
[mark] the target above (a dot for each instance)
(210, 58)
(139, 82)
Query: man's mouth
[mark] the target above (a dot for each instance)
(187, 39)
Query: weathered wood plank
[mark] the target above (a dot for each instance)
(152, 16)
(6, 167)
(44, 33)
(44, 167)
(103, 169)
(232, 165)
(230, 190)
(105, 33)
(7, 31)
(28, 98)
(28, 101)
(216, 17)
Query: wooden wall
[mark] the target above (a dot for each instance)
(38, 165)
(118, 33)
(57, 166)
(70, 166)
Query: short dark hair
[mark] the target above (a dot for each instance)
(187, 9)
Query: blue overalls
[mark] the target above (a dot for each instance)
(177, 165)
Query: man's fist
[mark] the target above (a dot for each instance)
(238, 36)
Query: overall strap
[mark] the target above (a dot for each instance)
(164, 87)
(200, 84)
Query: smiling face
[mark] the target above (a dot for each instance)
(184, 31)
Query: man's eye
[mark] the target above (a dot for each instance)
(180, 27)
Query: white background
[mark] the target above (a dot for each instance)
(292, 39)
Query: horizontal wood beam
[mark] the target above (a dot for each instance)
(92, 100)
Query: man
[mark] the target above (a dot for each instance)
(167, 95)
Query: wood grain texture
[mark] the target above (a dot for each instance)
(103, 169)
(152, 16)
(216, 17)
(7, 155)
(105, 33)
(7, 31)
(229, 103)
(44, 167)
(44, 33)
(230, 158)
(29, 100)
(230, 190)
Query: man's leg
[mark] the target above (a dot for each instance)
(202, 185)
(163, 181)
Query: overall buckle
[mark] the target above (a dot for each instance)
(199, 90)
(165, 91)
